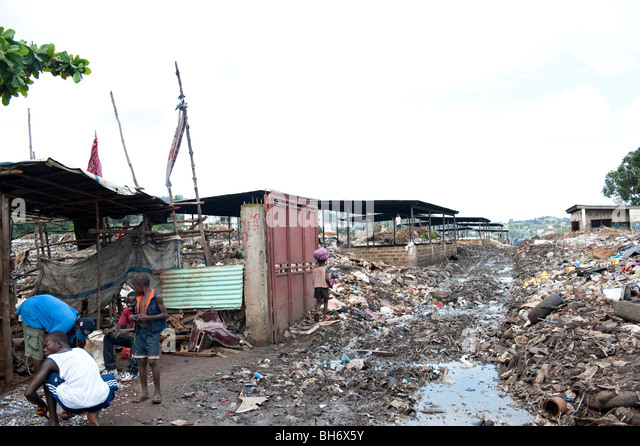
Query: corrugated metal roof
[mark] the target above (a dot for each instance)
(50, 188)
(212, 287)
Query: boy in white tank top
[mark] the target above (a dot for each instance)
(71, 378)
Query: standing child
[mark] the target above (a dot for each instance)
(321, 283)
(150, 319)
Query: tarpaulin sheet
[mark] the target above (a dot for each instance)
(77, 283)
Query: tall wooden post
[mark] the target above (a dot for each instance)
(32, 155)
(126, 154)
(5, 281)
(173, 210)
(183, 108)
(99, 273)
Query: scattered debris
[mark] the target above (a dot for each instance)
(391, 326)
(585, 349)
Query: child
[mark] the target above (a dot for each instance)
(151, 320)
(72, 379)
(121, 335)
(321, 283)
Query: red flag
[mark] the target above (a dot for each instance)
(95, 166)
(175, 145)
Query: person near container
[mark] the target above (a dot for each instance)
(121, 334)
(44, 313)
(150, 320)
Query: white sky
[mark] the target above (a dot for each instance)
(497, 109)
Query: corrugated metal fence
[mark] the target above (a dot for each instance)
(212, 288)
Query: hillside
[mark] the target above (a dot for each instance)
(526, 229)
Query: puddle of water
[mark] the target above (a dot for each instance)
(472, 396)
(505, 275)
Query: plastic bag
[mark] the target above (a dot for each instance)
(94, 345)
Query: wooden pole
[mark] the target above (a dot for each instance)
(348, 211)
(183, 108)
(123, 144)
(98, 292)
(444, 244)
(173, 210)
(5, 271)
(37, 240)
(411, 236)
(31, 154)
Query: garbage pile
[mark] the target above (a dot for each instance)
(389, 328)
(565, 343)
(572, 332)
(558, 316)
(384, 235)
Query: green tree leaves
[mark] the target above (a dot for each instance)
(623, 184)
(20, 63)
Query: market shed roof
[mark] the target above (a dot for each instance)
(387, 209)
(51, 189)
(468, 221)
(229, 205)
(222, 205)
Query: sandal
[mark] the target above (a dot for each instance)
(157, 399)
(141, 399)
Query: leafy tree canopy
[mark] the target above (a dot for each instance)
(19, 62)
(623, 184)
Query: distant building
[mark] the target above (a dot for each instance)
(585, 217)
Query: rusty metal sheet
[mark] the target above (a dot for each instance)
(290, 258)
(212, 287)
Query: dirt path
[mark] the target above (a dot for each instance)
(196, 390)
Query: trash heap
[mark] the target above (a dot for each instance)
(565, 344)
(572, 331)
(389, 328)
(559, 316)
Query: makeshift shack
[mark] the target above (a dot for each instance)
(279, 233)
(37, 191)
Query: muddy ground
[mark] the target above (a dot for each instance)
(390, 331)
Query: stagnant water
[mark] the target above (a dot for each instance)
(470, 398)
(470, 395)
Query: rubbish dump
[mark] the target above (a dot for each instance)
(582, 347)
(572, 362)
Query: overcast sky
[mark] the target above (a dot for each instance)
(496, 109)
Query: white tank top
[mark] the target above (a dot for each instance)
(82, 387)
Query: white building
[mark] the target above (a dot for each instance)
(586, 217)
